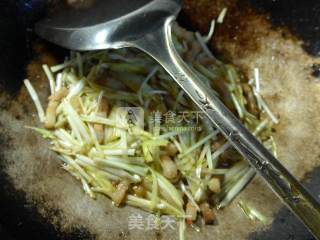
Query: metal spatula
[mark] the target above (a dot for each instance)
(146, 25)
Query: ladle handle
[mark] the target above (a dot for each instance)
(159, 45)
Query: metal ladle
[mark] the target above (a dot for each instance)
(146, 25)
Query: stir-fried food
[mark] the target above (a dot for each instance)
(124, 129)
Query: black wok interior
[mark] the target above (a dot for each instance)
(100, 9)
(18, 221)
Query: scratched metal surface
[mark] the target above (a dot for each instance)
(39, 200)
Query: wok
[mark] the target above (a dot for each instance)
(39, 200)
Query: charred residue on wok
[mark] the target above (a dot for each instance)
(20, 216)
(300, 17)
(250, 38)
(22, 213)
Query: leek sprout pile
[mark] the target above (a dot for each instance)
(157, 167)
